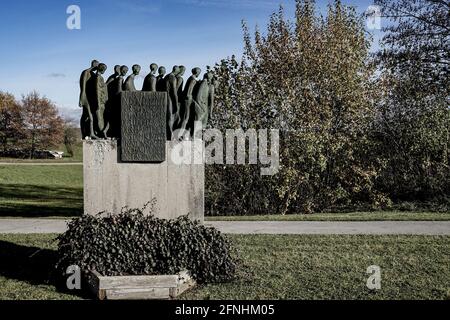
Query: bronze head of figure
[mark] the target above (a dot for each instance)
(117, 69)
(136, 69)
(196, 72)
(182, 71)
(123, 71)
(162, 71)
(94, 64)
(102, 68)
(153, 68)
(176, 70)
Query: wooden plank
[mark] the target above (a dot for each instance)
(130, 282)
(140, 287)
(138, 294)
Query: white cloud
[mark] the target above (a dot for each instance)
(56, 75)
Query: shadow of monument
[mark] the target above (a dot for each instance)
(32, 265)
(40, 201)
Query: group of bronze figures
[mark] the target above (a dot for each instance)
(187, 104)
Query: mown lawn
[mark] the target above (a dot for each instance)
(351, 216)
(277, 267)
(41, 191)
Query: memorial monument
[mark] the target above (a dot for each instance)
(129, 144)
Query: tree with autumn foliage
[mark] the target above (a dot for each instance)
(310, 78)
(11, 121)
(43, 127)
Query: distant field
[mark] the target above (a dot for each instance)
(276, 267)
(41, 191)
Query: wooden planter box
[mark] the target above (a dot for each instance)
(139, 287)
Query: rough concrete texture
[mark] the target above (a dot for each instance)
(110, 185)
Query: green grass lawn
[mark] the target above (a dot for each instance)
(351, 216)
(41, 191)
(277, 267)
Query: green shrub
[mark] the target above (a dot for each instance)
(133, 244)
(323, 108)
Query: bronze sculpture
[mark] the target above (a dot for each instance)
(150, 79)
(113, 86)
(185, 105)
(160, 83)
(188, 103)
(129, 83)
(180, 82)
(202, 100)
(86, 92)
(112, 113)
(101, 97)
(114, 75)
(116, 86)
(173, 115)
(180, 106)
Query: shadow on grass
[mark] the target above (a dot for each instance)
(18, 200)
(33, 265)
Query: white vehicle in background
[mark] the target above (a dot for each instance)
(54, 154)
(48, 154)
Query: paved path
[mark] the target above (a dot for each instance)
(41, 164)
(319, 227)
(32, 226)
(288, 227)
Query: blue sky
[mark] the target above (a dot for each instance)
(40, 53)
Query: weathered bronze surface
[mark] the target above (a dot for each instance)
(203, 100)
(87, 95)
(188, 101)
(129, 83)
(143, 126)
(150, 79)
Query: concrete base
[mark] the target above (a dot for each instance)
(110, 185)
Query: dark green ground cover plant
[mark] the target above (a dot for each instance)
(131, 243)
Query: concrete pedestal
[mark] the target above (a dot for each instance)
(110, 185)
